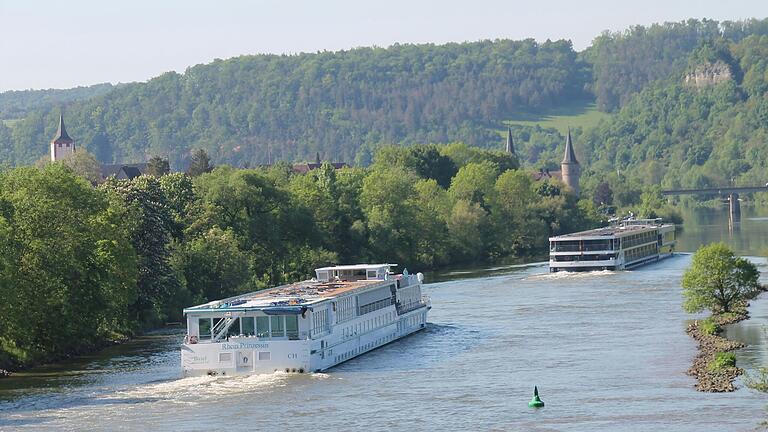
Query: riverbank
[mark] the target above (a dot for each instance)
(714, 367)
(14, 359)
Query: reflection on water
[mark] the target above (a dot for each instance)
(608, 351)
(747, 236)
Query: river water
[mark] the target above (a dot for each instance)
(608, 351)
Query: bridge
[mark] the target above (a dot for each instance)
(726, 190)
(732, 192)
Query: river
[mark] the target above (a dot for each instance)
(608, 351)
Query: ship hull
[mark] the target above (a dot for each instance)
(246, 356)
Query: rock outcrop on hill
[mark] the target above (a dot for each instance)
(708, 74)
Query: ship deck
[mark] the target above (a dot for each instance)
(612, 231)
(296, 294)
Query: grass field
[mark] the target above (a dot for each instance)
(10, 122)
(581, 114)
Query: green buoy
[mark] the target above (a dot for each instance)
(535, 402)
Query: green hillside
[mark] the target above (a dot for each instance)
(17, 104)
(259, 109)
(675, 134)
(582, 114)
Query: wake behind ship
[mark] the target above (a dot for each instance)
(623, 245)
(307, 326)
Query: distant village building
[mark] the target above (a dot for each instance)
(61, 145)
(303, 168)
(570, 169)
(122, 171)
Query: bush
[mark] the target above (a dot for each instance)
(710, 326)
(729, 317)
(722, 360)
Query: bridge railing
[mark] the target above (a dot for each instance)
(726, 190)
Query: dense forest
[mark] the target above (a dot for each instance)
(624, 63)
(17, 104)
(81, 265)
(676, 133)
(254, 110)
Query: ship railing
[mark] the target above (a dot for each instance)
(407, 280)
(289, 335)
(222, 327)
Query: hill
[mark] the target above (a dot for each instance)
(258, 109)
(16, 104)
(704, 127)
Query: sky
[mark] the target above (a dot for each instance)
(68, 43)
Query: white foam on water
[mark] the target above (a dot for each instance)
(571, 275)
(194, 388)
(320, 375)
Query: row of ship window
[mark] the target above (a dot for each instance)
(276, 326)
(595, 257)
(411, 321)
(367, 325)
(226, 357)
(584, 245)
(363, 348)
(601, 245)
(409, 297)
(345, 308)
(641, 252)
(637, 239)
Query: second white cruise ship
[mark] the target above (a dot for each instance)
(623, 245)
(307, 326)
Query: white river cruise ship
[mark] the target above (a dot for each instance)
(307, 326)
(623, 245)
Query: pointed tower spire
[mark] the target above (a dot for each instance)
(62, 144)
(317, 158)
(510, 144)
(570, 156)
(61, 132)
(570, 167)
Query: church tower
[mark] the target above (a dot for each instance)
(510, 144)
(62, 145)
(569, 167)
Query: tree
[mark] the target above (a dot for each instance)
(430, 164)
(84, 164)
(151, 225)
(603, 195)
(181, 199)
(387, 201)
(517, 227)
(67, 269)
(718, 280)
(475, 182)
(466, 223)
(158, 167)
(200, 164)
(214, 266)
